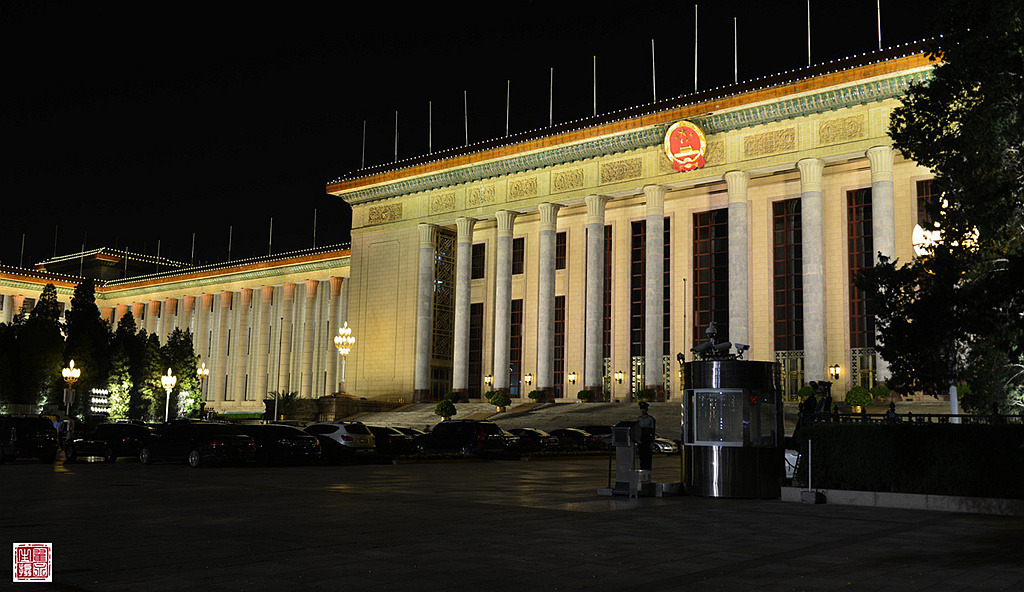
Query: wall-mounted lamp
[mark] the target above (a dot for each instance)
(833, 371)
(572, 378)
(488, 380)
(618, 376)
(528, 379)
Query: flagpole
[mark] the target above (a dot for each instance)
(735, 54)
(654, 76)
(551, 99)
(430, 127)
(878, 9)
(595, 86)
(270, 240)
(362, 161)
(808, 32)
(508, 96)
(465, 115)
(193, 252)
(314, 228)
(695, 47)
(231, 230)
(396, 136)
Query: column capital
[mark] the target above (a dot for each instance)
(810, 173)
(655, 197)
(464, 227)
(311, 286)
(289, 290)
(207, 300)
(549, 215)
(427, 234)
(171, 305)
(595, 208)
(737, 182)
(335, 283)
(225, 298)
(188, 301)
(506, 220)
(106, 312)
(246, 296)
(880, 158)
(267, 293)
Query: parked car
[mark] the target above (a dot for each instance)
(535, 439)
(466, 436)
(109, 440)
(342, 436)
(23, 436)
(413, 432)
(198, 442)
(390, 440)
(664, 445)
(277, 444)
(578, 438)
(602, 431)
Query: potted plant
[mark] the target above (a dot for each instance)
(645, 394)
(804, 392)
(490, 395)
(880, 393)
(857, 398)
(536, 395)
(445, 409)
(585, 396)
(500, 400)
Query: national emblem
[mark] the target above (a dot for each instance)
(685, 146)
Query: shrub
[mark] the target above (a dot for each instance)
(536, 395)
(645, 394)
(880, 393)
(858, 396)
(453, 397)
(490, 395)
(444, 408)
(500, 399)
(804, 392)
(585, 396)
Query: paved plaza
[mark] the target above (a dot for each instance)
(495, 525)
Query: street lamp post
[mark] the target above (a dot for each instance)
(202, 372)
(70, 374)
(344, 341)
(168, 380)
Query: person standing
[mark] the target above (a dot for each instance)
(646, 424)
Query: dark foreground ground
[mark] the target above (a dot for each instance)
(479, 526)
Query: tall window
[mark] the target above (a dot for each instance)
(787, 253)
(477, 262)
(861, 256)
(637, 289)
(559, 377)
(515, 356)
(926, 195)
(476, 348)
(711, 273)
(561, 250)
(607, 309)
(518, 255)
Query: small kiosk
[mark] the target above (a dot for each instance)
(732, 424)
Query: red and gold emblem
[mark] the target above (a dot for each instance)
(685, 146)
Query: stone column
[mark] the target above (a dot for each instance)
(503, 300)
(137, 309)
(170, 312)
(18, 303)
(739, 316)
(308, 326)
(883, 221)
(463, 273)
(812, 229)
(333, 326)
(152, 316)
(424, 313)
(593, 354)
(654, 290)
(120, 311)
(203, 329)
(219, 371)
(185, 314)
(106, 313)
(263, 342)
(283, 375)
(241, 343)
(546, 246)
(8, 315)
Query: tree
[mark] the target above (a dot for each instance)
(119, 382)
(87, 343)
(967, 125)
(180, 357)
(148, 392)
(40, 353)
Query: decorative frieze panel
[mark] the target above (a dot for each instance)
(567, 180)
(519, 188)
(384, 213)
(716, 153)
(773, 142)
(621, 170)
(842, 130)
(444, 202)
(479, 196)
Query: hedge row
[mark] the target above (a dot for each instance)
(938, 459)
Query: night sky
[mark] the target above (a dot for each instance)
(131, 123)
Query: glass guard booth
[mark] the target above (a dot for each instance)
(732, 429)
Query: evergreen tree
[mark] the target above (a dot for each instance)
(87, 343)
(40, 353)
(148, 392)
(119, 382)
(180, 357)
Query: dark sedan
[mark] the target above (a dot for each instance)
(198, 442)
(534, 439)
(23, 436)
(577, 438)
(282, 444)
(110, 441)
(390, 440)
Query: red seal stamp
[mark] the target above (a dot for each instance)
(685, 146)
(33, 562)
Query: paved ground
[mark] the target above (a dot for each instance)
(508, 525)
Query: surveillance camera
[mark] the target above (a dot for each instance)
(741, 347)
(680, 357)
(722, 347)
(703, 347)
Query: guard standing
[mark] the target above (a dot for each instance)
(646, 424)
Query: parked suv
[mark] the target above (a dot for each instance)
(463, 435)
(350, 435)
(27, 436)
(109, 440)
(198, 442)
